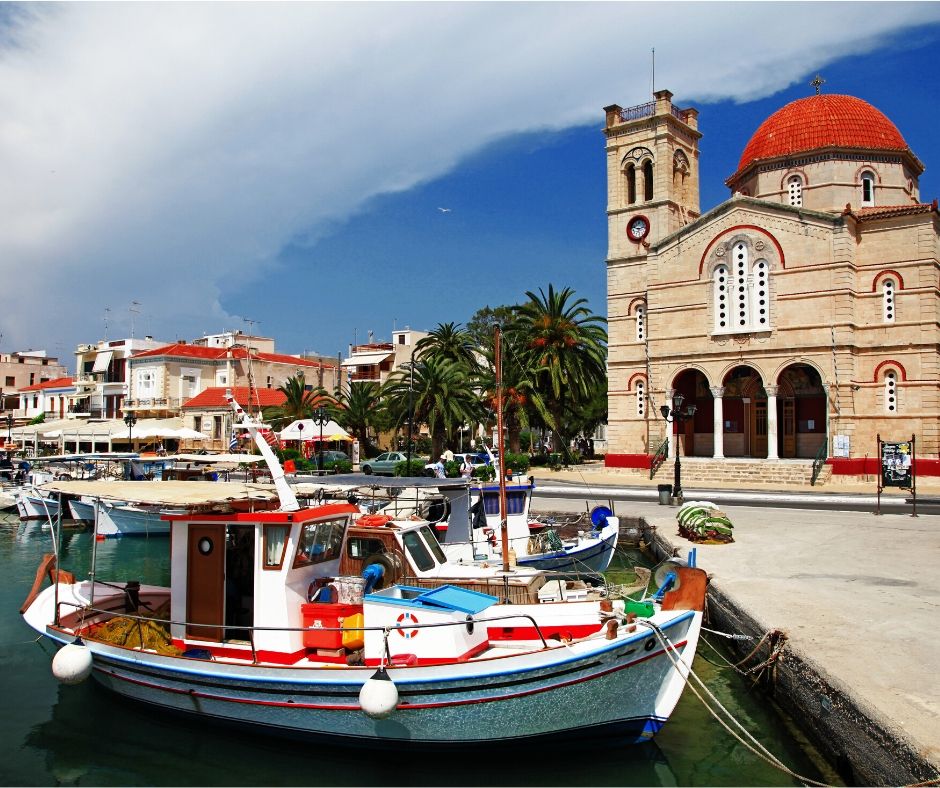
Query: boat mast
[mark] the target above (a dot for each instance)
(285, 493)
(501, 459)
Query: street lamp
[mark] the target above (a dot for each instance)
(9, 428)
(300, 429)
(320, 416)
(679, 416)
(130, 420)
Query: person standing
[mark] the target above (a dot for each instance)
(466, 470)
(439, 471)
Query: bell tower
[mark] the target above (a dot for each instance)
(652, 174)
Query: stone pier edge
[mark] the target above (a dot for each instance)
(859, 743)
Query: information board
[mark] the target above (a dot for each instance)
(896, 465)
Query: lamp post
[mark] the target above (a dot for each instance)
(320, 416)
(679, 417)
(130, 420)
(9, 428)
(300, 429)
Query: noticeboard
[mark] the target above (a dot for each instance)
(896, 464)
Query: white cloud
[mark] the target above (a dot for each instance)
(159, 152)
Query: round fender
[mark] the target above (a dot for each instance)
(373, 520)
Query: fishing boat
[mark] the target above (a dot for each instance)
(312, 621)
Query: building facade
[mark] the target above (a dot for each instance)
(376, 361)
(23, 369)
(101, 376)
(800, 318)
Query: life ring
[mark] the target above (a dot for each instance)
(410, 618)
(373, 520)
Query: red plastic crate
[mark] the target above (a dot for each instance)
(319, 614)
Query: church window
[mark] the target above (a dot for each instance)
(891, 392)
(887, 300)
(641, 399)
(631, 184)
(868, 189)
(795, 190)
(721, 298)
(740, 286)
(648, 180)
(760, 295)
(640, 323)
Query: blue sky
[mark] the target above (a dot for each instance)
(286, 163)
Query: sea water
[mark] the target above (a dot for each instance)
(51, 734)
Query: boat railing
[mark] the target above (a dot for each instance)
(89, 610)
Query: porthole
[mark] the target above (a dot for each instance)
(205, 546)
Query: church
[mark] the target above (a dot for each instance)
(796, 321)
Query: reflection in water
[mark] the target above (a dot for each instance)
(85, 735)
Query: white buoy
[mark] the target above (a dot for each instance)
(379, 695)
(72, 665)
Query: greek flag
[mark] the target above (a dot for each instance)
(233, 442)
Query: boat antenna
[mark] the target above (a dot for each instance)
(242, 419)
(498, 365)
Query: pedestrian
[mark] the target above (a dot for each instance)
(448, 455)
(466, 469)
(439, 471)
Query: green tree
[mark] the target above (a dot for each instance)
(441, 395)
(449, 342)
(300, 402)
(360, 409)
(564, 345)
(480, 326)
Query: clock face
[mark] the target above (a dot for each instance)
(638, 227)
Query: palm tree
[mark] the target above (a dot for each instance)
(440, 394)
(564, 345)
(361, 408)
(300, 403)
(449, 342)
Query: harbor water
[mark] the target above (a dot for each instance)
(52, 734)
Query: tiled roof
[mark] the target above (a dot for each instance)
(822, 121)
(887, 211)
(215, 398)
(55, 383)
(181, 350)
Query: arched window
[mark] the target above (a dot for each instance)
(795, 190)
(641, 399)
(740, 288)
(641, 323)
(887, 300)
(760, 295)
(631, 184)
(891, 391)
(721, 297)
(648, 180)
(868, 188)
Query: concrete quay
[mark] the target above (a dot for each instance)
(858, 599)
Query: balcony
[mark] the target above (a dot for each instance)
(152, 403)
(370, 376)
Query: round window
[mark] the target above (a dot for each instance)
(205, 545)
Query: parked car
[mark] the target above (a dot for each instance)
(328, 458)
(384, 464)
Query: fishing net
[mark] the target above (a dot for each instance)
(150, 632)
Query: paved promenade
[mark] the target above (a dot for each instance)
(858, 596)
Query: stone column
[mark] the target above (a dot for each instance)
(772, 423)
(670, 393)
(718, 423)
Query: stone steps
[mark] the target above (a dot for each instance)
(697, 471)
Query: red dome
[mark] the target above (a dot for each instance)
(822, 121)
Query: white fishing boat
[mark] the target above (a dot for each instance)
(291, 621)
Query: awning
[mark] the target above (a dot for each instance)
(102, 361)
(367, 359)
(167, 493)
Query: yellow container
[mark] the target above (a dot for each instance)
(353, 636)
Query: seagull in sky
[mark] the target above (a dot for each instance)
(444, 210)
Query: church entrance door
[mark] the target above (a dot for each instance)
(789, 428)
(758, 428)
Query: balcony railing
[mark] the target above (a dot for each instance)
(639, 111)
(156, 403)
(366, 377)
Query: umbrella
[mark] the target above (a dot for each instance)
(186, 433)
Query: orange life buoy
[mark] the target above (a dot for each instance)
(373, 520)
(410, 618)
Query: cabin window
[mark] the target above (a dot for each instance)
(320, 542)
(515, 503)
(275, 543)
(359, 548)
(418, 551)
(434, 544)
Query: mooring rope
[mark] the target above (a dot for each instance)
(749, 742)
